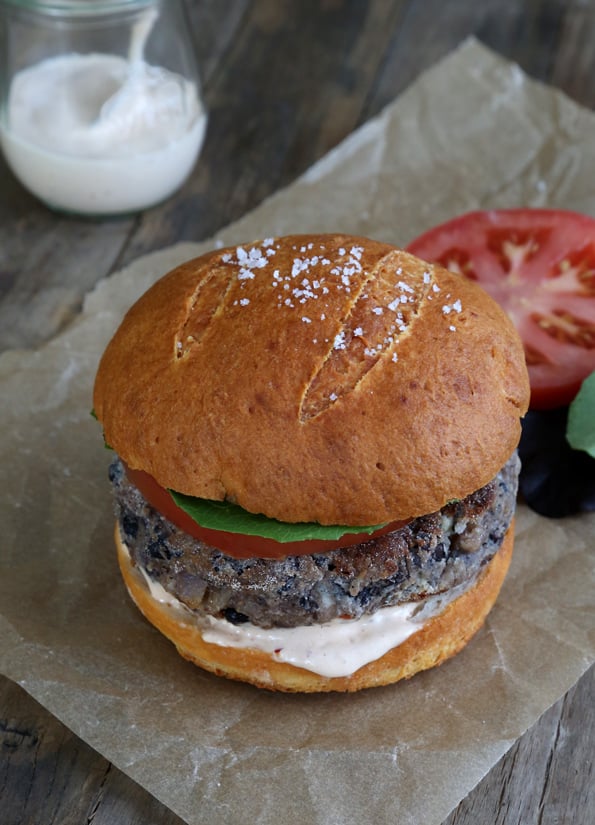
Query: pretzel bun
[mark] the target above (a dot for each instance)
(319, 378)
(315, 378)
(438, 639)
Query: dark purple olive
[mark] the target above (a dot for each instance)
(555, 480)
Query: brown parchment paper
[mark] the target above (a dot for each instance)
(471, 132)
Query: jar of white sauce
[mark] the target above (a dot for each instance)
(100, 107)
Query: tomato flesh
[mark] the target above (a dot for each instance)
(539, 264)
(238, 545)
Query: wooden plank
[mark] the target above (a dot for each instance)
(47, 264)
(550, 41)
(573, 65)
(214, 24)
(48, 776)
(547, 776)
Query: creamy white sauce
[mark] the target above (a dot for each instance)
(101, 134)
(335, 648)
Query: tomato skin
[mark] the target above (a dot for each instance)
(238, 545)
(550, 398)
(539, 264)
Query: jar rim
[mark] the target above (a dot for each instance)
(78, 8)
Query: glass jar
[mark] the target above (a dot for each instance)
(100, 106)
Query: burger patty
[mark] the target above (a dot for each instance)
(428, 556)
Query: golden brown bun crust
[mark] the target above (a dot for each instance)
(380, 370)
(438, 640)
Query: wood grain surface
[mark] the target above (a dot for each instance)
(283, 82)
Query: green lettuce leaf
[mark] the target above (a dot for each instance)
(221, 515)
(580, 429)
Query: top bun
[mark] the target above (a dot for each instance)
(317, 378)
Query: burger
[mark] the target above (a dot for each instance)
(315, 465)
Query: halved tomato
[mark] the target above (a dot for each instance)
(539, 264)
(239, 545)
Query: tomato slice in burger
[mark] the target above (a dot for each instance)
(539, 264)
(240, 545)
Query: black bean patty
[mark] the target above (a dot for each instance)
(429, 555)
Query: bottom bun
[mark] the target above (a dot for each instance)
(438, 639)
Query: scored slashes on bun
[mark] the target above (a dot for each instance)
(319, 379)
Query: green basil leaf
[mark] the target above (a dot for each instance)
(580, 429)
(222, 515)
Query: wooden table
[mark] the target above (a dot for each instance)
(284, 82)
